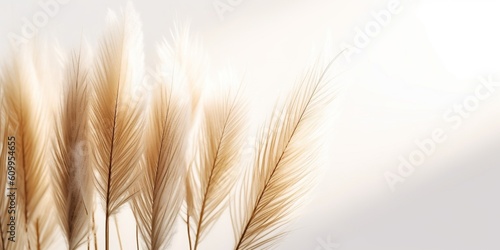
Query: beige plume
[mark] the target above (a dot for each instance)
(116, 120)
(157, 205)
(27, 122)
(186, 53)
(73, 188)
(215, 165)
(283, 173)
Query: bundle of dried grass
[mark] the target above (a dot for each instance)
(150, 166)
(116, 120)
(283, 172)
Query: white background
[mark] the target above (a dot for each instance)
(428, 58)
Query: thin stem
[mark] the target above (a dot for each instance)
(118, 233)
(94, 231)
(202, 213)
(189, 233)
(38, 247)
(137, 236)
(107, 231)
(110, 166)
(1, 235)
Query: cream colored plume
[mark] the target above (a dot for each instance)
(116, 120)
(72, 175)
(186, 53)
(26, 118)
(161, 190)
(214, 169)
(285, 163)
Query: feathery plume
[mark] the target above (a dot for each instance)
(186, 53)
(116, 121)
(287, 153)
(73, 191)
(26, 119)
(214, 169)
(157, 205)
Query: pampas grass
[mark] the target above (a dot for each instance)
(172, 153)
(188, 60)
(160, 190)
(73, 188)
(213, 171)
(283, 169)
(117, 122)
(25, 118)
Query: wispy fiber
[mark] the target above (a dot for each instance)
(287, 151)
(215, 165)
(25, 117)
(161, 194)
(187, 55)
(116, 119)
(73, 188)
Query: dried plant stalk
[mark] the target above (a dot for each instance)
(73, 188)
(116, 120)
(26, 122)
(214, 169)
(286, 155)
(161, 194)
